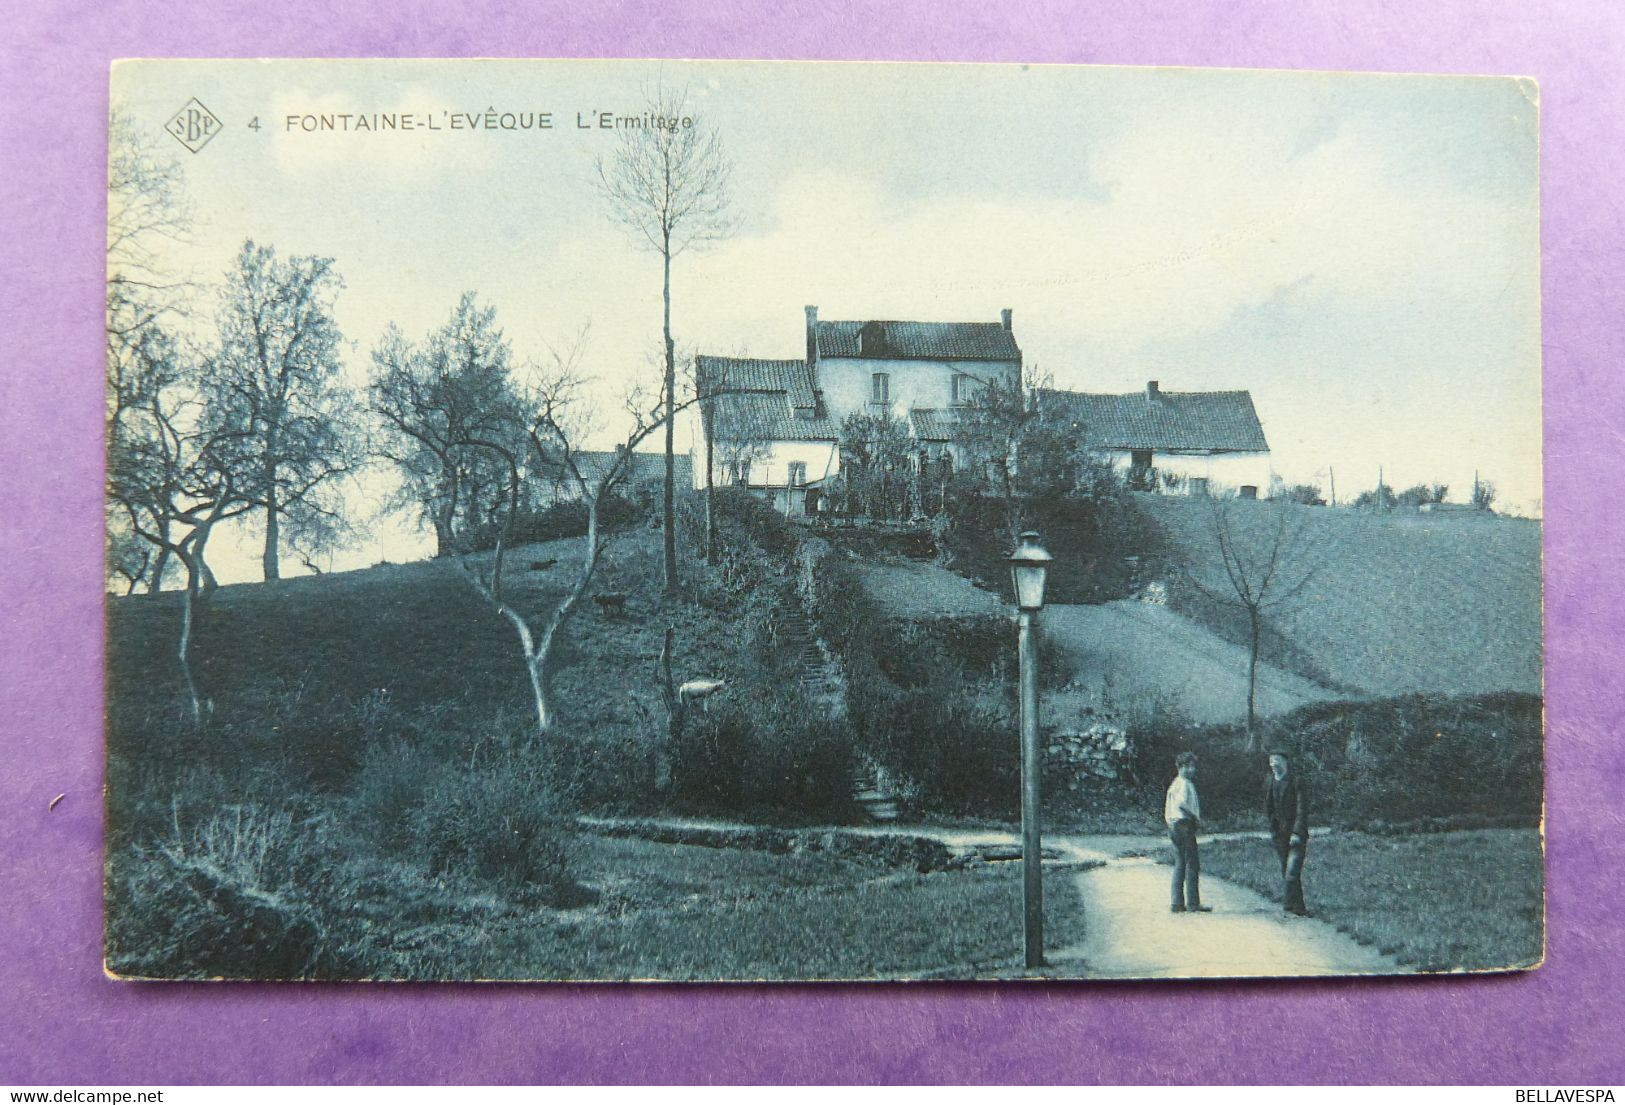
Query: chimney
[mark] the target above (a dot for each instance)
(812, 334)
(1151, 391)
(1004, 316)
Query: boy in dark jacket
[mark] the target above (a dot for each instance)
(1286, 802)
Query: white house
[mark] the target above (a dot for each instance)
(1182, 442)
(778, 429)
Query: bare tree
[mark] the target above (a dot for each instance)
(1025, 449)
(147, 210)
(276, 379)
(875, 456)
(174, 475)
(667, 183)
(557, 425)
(433, 401)
(1266, 559)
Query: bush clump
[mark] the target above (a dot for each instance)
(251, 892)
(1417, 759)
(499, 822)
(765, 756)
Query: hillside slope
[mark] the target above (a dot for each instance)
(334, 661)
(1124, 655)
(1139, 657)
(1396, 603)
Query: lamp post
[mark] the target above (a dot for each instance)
(1028, 567)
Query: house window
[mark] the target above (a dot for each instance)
(1140, 458)
(798, 474)
(880, 389)
(963, 385)
(741, 472)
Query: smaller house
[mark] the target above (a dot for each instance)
(643, 476)
(773, 435)
(1178, 442)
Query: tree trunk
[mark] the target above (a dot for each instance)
(674, 715)
(273, 527)
(161, 564)
(539, 657)
(183, 647)
(1252, 683)
(670, 510)
(708, 420)
(444, 521)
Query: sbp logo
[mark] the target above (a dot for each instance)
(193, 125)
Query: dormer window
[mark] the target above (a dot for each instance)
(880, 389)
(872, 340)
(964, 388)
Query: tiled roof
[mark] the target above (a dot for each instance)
(766, 416)
(793, 378)
(1173, 420)
(644, 466)
(937, 341)
(766, 400)
(934, 425)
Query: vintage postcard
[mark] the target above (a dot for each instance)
(771, 521)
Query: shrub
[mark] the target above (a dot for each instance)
(1402, 760)
(756, 755)
(1381, 498)
(247, 893)
(1423, 756)
(743, 518)
(1229, 778)
(389, 788)
(1098, 532)
(606, 769)
(501, 822)
(1422, 494)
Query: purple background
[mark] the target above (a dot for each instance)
(62, 1022)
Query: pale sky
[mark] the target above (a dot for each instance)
(1360, 252)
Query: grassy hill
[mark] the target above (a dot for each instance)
(1397, 603)
(361, 654)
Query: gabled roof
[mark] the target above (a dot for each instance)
(767, 416)
(934, 341)
(934, 425)
(1223, 420)
(766, 400)
(753, 374)
(644, 467)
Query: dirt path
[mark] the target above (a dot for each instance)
(1132, 934)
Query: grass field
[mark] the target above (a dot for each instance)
(1397, 603)
(416, 633)
(685, 912)
(1436, 901)
(645, 910)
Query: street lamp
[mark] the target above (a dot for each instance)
(1029, 566)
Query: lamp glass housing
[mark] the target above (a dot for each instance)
(1029, 566)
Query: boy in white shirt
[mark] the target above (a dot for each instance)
(1182, 810)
